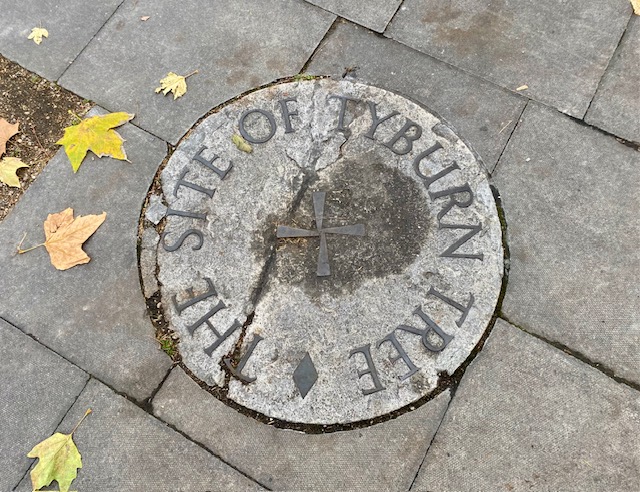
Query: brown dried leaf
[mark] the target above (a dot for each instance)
(7, 131)
(66, 235)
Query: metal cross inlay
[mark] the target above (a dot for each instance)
(323, 257)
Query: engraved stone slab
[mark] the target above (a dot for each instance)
(332, 274)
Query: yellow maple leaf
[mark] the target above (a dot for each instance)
(95, 134)
(59, 460)
(37, 33)
(7, 130)
(636, 6)
(8, 168)
(64, 237)
(174, 83)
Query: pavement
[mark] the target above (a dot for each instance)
(552, 401)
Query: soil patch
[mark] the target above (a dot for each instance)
(44, 110)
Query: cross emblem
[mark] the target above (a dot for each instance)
(323, 269)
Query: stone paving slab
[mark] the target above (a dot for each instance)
(67, 36)
(374, 14)
(558, 49)
(616, 106)
(37, 387)
(571, 201)
(124, 448)
(484, 114)
(94, 314)
(235, 45)
(526, 416)
(383, 457)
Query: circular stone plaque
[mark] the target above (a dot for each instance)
(329, 250)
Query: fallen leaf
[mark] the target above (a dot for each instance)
(636, 6)
(241, 143)
(66, 235)
(59, 460)
(145, 18)
(522, 87)
(8, 168)
(95, 134)
(7, 130)
(37, 34)
(174, 83)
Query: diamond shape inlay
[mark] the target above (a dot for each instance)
(305, 375)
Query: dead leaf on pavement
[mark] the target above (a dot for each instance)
(174, 83)
(65, 236)
(523, 87)
(145, 18)
(59, 460)
(241, 143)
(636, 6)
(7, 130)
(95, 134)
(8, 168)
(37, 33)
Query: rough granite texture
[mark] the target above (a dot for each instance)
(156, 210)
(234, 45)
(481, 113)
(571, 202)
(560, 50)
(377, 281)
(616, 105)
(37, 387)
(67, 36)
(93, 315)
(529, 417)
(374, 14)
(385, 456)
(124, 448)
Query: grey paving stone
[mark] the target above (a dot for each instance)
(383, 457)
(124, 448)
(37, 387)
(93, 314)
(616, 106)
(71, 25)
(559, 49)
(483, 114)
(374, 14)
(570, 196)
(235, 45)
(526, 416)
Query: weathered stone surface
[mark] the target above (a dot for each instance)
(382, 457)
(67, 36)
(528, 417)
(224, 247)
(236, 46)
(94, 315)
(374, 14)
(571, 203)
(484, 114)
(124, 448)
(156, 210)
(616, 106)
(518, 42)
(37, 387)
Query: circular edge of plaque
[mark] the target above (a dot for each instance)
(148, 240)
